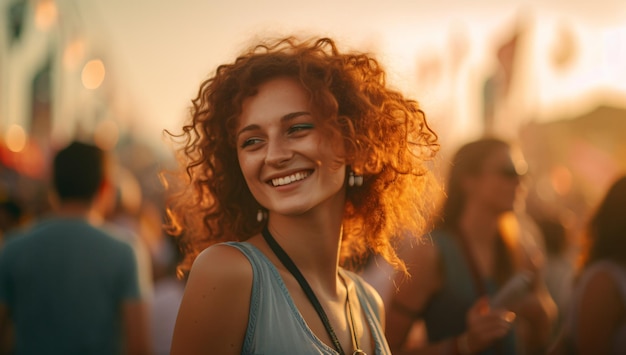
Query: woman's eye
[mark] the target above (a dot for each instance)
(300, 127)
(250, 141)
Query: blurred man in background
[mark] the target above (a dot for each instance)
(66, 286)
(11, 216)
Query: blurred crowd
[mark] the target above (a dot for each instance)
(493, 250)
(487, 233)
(130, 210)
(525, 251)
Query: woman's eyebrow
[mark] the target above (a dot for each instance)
(293, 115)
(286, 118)
(250, 127)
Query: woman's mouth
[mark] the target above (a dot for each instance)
(286, 180)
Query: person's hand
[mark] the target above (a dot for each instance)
(484, 327)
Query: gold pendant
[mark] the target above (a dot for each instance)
(359, 352)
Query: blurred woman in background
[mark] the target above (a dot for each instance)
(455, 278)
(597, 322)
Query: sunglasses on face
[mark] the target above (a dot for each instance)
(508, 172)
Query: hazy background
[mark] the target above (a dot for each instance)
(437, 51)
(548, 75)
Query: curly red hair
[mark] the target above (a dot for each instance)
(386, 136)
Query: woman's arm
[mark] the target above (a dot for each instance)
(412, 293)
(213, 315)
(484, 325)
(536, 316)
(536, 312)
(599, 313)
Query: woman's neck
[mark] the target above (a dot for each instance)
(479, 225)
(312, 241)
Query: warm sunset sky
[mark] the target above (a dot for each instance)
(158, 51)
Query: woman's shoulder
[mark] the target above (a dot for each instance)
(607, 266)
(363, 285)
(368, 292)
(222, 261)
(218, 288)
(605, 275)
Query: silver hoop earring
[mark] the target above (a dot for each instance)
(355, 180)
(261, 215)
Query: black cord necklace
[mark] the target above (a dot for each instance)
(293, 269)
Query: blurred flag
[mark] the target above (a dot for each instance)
(16, 14)
(496, 87)
(41, 102)
(506, 58)
(564, 49)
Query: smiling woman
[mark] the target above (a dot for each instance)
(289, 164)
(297, 160)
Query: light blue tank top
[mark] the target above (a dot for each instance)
(275, 326)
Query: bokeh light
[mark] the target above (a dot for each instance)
(93, 74)
(15, 138)
(561, 178)
(73, 53)
(45, 14)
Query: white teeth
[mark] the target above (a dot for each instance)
(289, 179)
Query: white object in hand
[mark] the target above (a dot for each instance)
(514, 289)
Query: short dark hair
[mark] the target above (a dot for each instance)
(78, 171)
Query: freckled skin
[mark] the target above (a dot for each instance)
(278, 137)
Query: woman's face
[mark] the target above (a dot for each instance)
(495, 186)
(291, 165)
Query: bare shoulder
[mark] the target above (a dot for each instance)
(415, 288)
(601, 286)
(218, 288)
(421, 260)
(597, 324)
(602, 290)
(219, 272)
(221, 261)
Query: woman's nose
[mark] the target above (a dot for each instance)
(278, 153)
